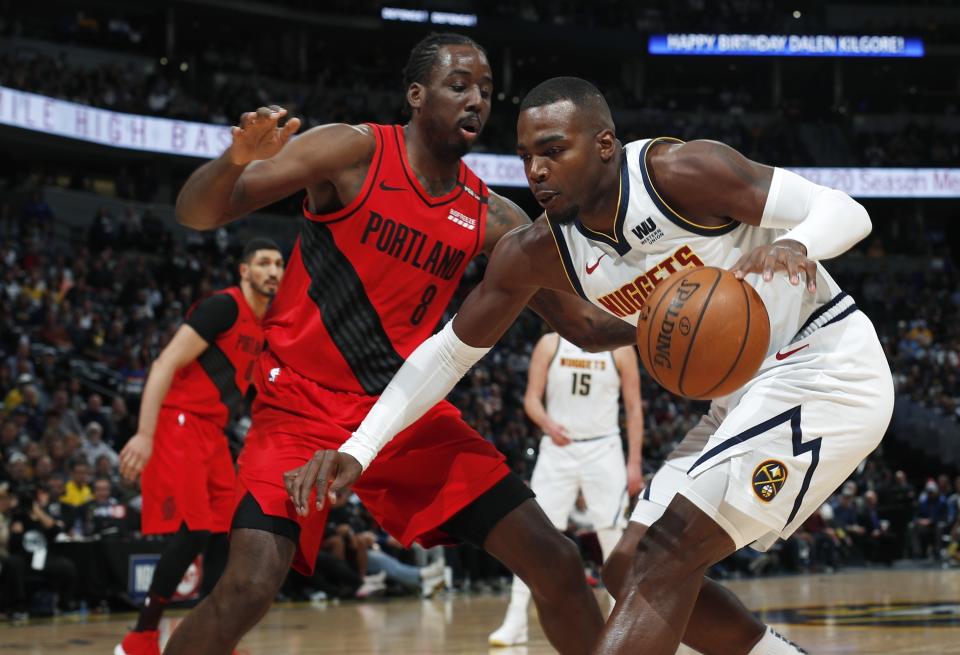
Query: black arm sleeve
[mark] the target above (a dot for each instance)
(213, 316)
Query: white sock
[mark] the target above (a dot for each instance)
(773, 643)
(519, 598)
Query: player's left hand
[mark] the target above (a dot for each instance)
(786, 255)
(330, 472)
(635, 482)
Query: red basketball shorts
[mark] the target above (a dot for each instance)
(190, 476)
(424, 476)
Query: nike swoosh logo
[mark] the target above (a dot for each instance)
(591, 269)
(782, 356)
(387, 187)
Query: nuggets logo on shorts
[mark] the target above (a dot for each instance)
(768, 478)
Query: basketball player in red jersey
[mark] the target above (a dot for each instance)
(195, 387)
(391, 219)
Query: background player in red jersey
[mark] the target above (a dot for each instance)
(391, 218)
(195, 387)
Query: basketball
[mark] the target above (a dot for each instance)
(703, 333)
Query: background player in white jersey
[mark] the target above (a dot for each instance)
(580, 448)
(762, 459)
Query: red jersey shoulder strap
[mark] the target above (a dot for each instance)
(372, 172)
(478, 191)
(244, 308)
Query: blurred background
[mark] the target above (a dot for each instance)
(105, 109)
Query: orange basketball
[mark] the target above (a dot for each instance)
(703, 333)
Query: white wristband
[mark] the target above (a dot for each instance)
(826, 221)
(425, 379)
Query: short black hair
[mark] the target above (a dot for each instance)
(255, 244)
(580, 92)
(423, 56)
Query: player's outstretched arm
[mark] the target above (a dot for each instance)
(711, 182)
(533, 405)
(575, 319)
(185, 347)
(428, 374)
(264, 164)
(626, 359)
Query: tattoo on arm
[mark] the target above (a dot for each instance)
(502, 216)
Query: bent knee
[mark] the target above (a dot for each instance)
(558, 570)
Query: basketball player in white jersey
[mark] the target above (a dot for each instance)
(619, 220)
(580, 448)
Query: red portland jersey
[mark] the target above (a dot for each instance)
(215, 385)
(367, 284)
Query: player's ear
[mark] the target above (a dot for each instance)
(415, 95)
(607, 144)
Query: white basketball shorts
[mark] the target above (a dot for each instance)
(595, 466)
(761, 460)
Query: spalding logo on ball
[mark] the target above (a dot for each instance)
(703, 333)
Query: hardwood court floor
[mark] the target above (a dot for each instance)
(870, 612)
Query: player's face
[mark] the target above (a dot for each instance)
(264, 272)
(455, 105)
(561, 153)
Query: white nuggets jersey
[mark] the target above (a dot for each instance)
(652, 241)
(583, 392)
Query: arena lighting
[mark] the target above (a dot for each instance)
(424, 16)
(785, 45)
(54, 117)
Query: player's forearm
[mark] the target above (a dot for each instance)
(428, 375)
(825, 221)
(534, 408)
(634, 436)
(582, 323)
(204, 201)
(154, 391)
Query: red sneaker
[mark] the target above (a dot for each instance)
(139, 643)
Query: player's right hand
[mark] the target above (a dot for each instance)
(259, 135)
(558, 434)
(330, 472)
(135, 455)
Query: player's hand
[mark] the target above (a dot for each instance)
(558, 434)
(786, 255)
(635, 482)
(330, 472)
(135, 456)
(259, 135)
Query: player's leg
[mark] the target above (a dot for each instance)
(512, 527)
(719, 623)
(473, 496)
(179, 552)
(666, 575)
(176, 501)
(554, 481)
(262, 548)
(603, 480)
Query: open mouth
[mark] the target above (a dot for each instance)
(470, 126)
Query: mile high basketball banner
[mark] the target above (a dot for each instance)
(30, 111)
